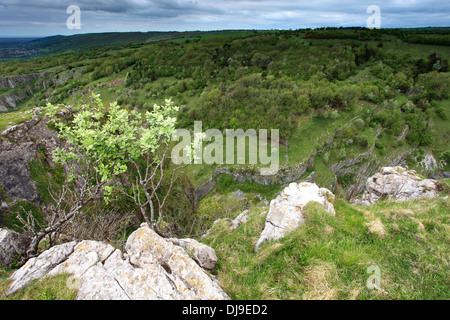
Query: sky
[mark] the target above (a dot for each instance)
(39, 18)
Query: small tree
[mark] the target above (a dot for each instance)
(127, 151)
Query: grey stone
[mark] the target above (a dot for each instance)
(286, 211)
(12, 245)
(397, 183)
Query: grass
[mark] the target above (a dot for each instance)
(12, 119)
(441, 130)
(329, 257)
(49, 288)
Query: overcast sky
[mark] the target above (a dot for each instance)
(49, 17)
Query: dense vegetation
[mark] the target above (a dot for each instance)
(335, 94)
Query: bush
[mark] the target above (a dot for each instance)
(442, 113)
(326, 158)
(334, 115)
(379, 145)
(446, 156)
(436, 84)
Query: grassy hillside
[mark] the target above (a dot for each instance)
(327, 258)
(26, 48)
(335, 95)
(346, 102)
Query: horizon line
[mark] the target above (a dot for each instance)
(215, 30)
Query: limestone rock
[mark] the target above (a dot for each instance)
(40, 266)
(240, 219)
(18, 148)
(204, 255)
(238, 194)
(398, 184)
(188, 276)
(86, 254)
(152, 268)
(12, 244)
(286, 211)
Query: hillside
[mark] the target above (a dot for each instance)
(329, 258)
(347, 102)
(27, 48)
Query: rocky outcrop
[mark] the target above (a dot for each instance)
(9, 101)
(152, 268)
(39, 267)
(13, 82)
(240, 220)
(12, 245)
(429, 163)
(202, 254)
(398, 184)
(19, 145)
(19, 88)
(286, 211)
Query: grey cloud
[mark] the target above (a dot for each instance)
(145, 15)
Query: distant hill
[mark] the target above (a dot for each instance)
(27, 48)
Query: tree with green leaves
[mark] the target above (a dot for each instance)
(112, 149)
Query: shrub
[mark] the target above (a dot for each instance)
(446, 156)
(326, 157)
(363, 141)
(379, 145)
(359, 123)
(442, 113)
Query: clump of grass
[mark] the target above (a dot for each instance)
(226, 184)
(329, 256)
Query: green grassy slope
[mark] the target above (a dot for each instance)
(329, 257)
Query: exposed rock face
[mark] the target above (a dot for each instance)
(238, 194)
(240, 219)
(233, 224)
(12, 244)
(202, 254)
(17, 81)
(286, 211)
(20, 146)
(38, 267)
(152, 268)
(18, 89)
(398, 184)
(429, 163)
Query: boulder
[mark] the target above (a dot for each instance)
(238, 194)
(152, 268)
(240, 219)
(398, 184)
(40, 266)
(204, 255)
(19, 146)
(12, 245)
(286, 211)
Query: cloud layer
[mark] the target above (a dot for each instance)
(48, 17)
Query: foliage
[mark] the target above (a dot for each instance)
(329, 256)
(113, 137)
